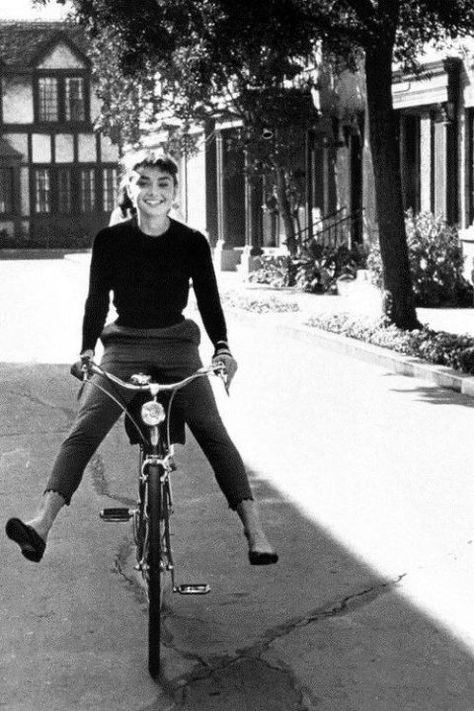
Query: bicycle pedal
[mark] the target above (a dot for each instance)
(116, 515)
(193, 589)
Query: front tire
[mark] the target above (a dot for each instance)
(153, 561)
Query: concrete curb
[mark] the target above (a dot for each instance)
(53, 253)
(403, 365)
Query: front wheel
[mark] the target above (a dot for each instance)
(154, 566)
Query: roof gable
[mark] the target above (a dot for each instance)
(61, 56)
(25, 44)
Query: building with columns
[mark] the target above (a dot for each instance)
(436, 119)
(58, 178)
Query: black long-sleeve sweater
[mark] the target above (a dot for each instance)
(149, 277)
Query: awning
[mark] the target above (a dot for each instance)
(431, 87)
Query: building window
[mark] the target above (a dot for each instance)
(87, 190)
(42, 190)
(109, 188)
(75, 107)
(64, 190)
(48, 104)
(6, 190)
(62, 99)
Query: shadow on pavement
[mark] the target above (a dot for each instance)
(320, 630)
(339, 636)
(436, 395)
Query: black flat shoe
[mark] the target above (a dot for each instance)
(31, 544)
(257, 558)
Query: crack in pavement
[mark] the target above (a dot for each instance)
(125, 551)
(100, 484)
(248, 663)
(348, 604)
(255, 652)
(181, 688)
(272, 684)
(222, 676)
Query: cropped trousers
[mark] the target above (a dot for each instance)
(171, 352)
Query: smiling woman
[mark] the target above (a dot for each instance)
(152, 190)
(148, 262)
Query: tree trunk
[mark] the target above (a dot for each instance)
(399, 304)
(285, 211)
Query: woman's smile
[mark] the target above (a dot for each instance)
(152, 191)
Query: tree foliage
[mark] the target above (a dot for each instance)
(256, 60)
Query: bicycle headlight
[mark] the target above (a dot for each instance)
(153, 413)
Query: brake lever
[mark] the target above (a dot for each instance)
(225, 380)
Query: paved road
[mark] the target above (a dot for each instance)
(366, 488)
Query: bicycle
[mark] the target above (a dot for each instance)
(151, 517)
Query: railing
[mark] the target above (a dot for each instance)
(334, 230)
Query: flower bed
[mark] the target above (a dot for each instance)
(257, 304)
(437, 347)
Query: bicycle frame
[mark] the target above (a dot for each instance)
(151, 519)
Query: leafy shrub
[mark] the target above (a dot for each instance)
(437, 347)
(436, 262)
(315, 270)
(272, 270)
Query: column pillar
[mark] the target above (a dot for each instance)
(309, 152)
(252, 247)
(221, 226)
(224, 258)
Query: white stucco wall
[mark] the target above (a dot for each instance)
(64, 148)
(192, 192)
(87, 152)
(25, 191)
(41, 150)
(61, 57)
(17, 100)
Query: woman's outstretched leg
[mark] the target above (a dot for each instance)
(97, 414)
(31, 535)
(261, 551)
(49, 507)
(205, 423)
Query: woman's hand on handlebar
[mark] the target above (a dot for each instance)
(80, 366)
(230, 364)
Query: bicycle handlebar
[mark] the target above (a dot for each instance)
(153, 388)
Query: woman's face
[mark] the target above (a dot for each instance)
(152, 191)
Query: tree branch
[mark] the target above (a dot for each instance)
(333, 29)
(364, 10)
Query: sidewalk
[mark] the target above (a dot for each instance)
(359, 298)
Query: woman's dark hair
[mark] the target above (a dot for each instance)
(125, 204)
(150, 159)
